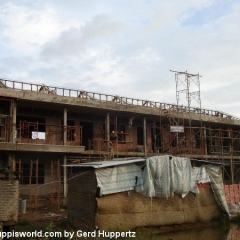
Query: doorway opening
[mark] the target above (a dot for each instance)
(87, 133)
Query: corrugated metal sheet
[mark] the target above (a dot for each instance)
(111, 163)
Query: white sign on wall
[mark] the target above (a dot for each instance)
(177, 129)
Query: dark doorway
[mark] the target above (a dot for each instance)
(87, 133)
(140, 135)
(155, 133)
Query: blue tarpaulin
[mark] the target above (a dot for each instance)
(119, 179)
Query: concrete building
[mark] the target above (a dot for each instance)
(44, 127)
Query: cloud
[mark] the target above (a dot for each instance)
(125, 48)
(75, 40)
(165, 14)
(25, 29)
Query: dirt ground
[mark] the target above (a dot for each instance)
(39, 219)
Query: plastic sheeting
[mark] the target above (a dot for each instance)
(163, 176)
(119, 179)
(215, 175)
(156, 177)
(166, 175)
(202, 175)
(199, 175)
(181, 175)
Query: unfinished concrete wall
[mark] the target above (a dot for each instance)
(9, 195)
(98, 130)
(123, 211)
(53, 133)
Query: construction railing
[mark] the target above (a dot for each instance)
(67, 92)
(35, 132)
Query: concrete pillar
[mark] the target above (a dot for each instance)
(65, 177)
(64, 126)
(107, 127)
(14, 122)
(145, 136)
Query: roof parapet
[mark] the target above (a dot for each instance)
(67, 92)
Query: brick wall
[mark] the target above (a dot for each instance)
(9, 195)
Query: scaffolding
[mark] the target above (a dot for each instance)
(37, 198)
(189, 85)
(211, 143)
(172, 128)
(114, 140)
(180, 136)
(29, 132)
(33, 185)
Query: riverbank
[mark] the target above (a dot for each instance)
(57, 221)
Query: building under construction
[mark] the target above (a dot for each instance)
(43, 128)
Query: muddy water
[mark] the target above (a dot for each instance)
(207, 233)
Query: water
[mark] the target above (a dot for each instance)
(218, 232)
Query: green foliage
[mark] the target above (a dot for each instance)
(23, 223)
(49, 227)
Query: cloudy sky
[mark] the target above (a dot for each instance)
(125, 47)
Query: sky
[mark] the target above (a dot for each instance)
(126, 47)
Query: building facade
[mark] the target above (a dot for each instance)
(43, 128)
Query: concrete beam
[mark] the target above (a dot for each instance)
(74, 101)
(41, 148)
